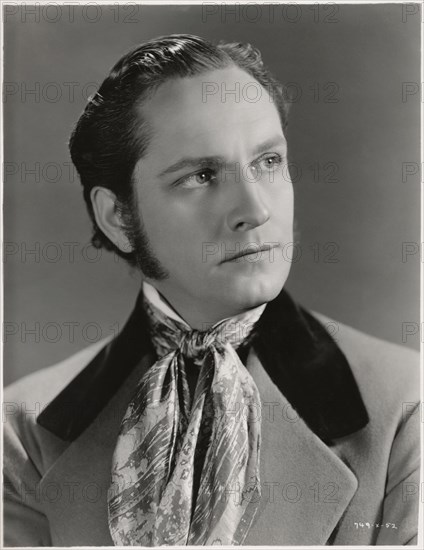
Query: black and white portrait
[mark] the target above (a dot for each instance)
(211, 259)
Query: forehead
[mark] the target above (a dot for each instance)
(203, 114)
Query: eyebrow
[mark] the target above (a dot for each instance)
(193, 162)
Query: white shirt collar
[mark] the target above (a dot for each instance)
(153, 295)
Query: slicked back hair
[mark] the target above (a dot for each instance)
(110, 137)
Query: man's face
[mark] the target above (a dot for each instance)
(213, 183)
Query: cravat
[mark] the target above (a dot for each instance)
(185, 470)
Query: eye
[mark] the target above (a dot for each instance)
(267, 164)
(199, 179)
(270, 161)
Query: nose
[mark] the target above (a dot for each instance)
(249, 210)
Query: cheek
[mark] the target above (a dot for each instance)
(175, 230)
(281, 202)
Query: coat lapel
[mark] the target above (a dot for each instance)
(296, 350)
(305, 487)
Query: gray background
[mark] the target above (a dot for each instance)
(69, 298)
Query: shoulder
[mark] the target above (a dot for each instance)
(43, 385)
(25, 399)
(23, 402)
(388, 375)
(385, 455)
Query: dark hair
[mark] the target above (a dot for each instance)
(110, 136)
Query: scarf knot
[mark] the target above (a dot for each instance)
(169, 334)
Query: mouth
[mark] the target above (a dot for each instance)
(249, 250)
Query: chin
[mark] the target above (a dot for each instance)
(257, 291)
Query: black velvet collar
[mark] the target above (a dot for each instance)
(295, 349)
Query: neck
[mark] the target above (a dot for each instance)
(199, 316)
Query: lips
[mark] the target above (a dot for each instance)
(248, 250)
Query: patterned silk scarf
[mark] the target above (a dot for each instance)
(186, 470)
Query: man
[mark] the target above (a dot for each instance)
(223, 413)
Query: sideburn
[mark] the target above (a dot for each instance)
(145, 257)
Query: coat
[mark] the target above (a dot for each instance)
(340, 435)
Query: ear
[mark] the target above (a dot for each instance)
(105, 209)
